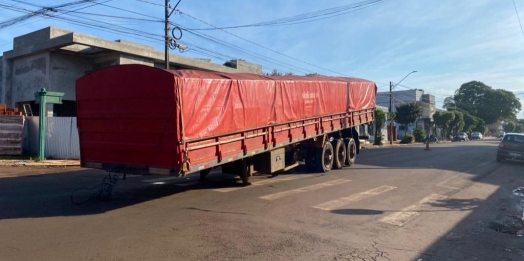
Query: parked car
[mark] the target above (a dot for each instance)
(461, 136)
(476, 136)
(511, 147)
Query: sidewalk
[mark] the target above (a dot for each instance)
(45, 163)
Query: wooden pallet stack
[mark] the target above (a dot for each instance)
(11, 130)
(9, 111)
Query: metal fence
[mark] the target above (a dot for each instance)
(61, 137)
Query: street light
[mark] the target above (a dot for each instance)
(391, 86)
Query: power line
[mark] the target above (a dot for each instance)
(249, 41)
(522, 30)
(308, 17)
(144, 1)
(209, 38)
(44, 10)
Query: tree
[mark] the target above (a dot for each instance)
(311, 74)
(485, 102)
(457, 124)
(275, 72)
(481, 126)
(449, 103)
(408, 113)
(443, 119)
(380, 120)
(470, 122)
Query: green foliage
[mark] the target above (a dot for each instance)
(443, 119)
(457, 124)
(470, 122)
(485, 102)
(380, 120)
(449, 103)
(392, 116)
(420, 135)
(408, 138)
(481, 126)
(408, 113)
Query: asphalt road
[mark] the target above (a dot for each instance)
(403, 203)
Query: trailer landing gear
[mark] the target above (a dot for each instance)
(244, 173)
(204, 173)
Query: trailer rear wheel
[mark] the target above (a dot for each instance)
(324, 158)
(351, 148)
(340, 153)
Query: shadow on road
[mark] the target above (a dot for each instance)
(55, 192)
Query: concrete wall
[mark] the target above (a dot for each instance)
(1, 78)
(129, 59)
(64, 70)
(38, 36)
(29, 75)
(6, 78)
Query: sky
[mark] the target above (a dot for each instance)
(448, 42)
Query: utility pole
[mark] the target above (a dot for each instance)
(390, 112)
(167, 40)
(170, 42)
(391, 86)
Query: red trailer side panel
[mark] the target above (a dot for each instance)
(214, 103)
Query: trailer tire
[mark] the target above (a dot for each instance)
(324, 158)
(340, 157)
(351, 151)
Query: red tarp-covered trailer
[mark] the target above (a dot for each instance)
(141, 119)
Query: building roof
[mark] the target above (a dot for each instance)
(52, 38)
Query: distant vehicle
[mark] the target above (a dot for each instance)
(476, 136)
(511, 147)
(461, 136)
(501, 134)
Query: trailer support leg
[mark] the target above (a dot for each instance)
(244, 173)
(204, 173)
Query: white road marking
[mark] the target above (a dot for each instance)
(263, 182)
(337, 203)
(407, 214)
(304, 189)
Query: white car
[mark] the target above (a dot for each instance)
(476, 136)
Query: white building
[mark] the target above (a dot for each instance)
(425, 101)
